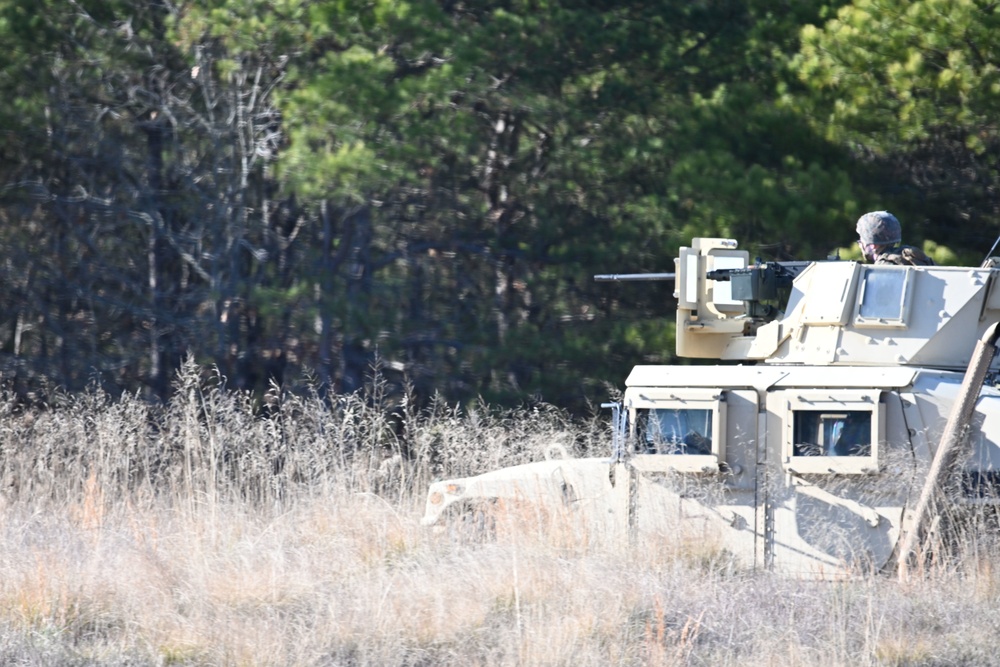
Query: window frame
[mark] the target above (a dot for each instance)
(680, 398)
(833, 401)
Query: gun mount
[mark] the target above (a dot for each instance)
(755, 286)
(804, 447)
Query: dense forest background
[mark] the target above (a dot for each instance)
(304, 190)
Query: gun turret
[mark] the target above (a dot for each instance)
(721, 296)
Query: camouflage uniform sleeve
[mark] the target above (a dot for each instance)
(889, 258)
(905, 256)
(916, 257)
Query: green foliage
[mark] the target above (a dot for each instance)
(901, 70)
(913, 88)
(287, 184)
(907, 68)
(945, 256)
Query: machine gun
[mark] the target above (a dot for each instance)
(761, 282)
(753, 285)
(633, 277)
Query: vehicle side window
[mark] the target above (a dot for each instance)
(846, 433)
(680, 429)
(674, 431)
(835, 431)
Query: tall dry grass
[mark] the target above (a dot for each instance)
(203, 533)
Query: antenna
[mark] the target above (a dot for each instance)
(990, 253)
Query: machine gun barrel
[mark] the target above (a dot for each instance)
(633, 277)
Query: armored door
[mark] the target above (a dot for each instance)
(839, 470)
(694, 472)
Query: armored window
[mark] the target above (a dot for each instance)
(833, 431)
(674, 431)
(884, 297)
(678, 429)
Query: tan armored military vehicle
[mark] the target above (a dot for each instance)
(818, 445)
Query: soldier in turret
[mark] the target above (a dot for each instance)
(879, 235)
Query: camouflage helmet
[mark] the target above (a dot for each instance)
(879, 228)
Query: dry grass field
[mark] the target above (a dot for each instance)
(200, 533)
